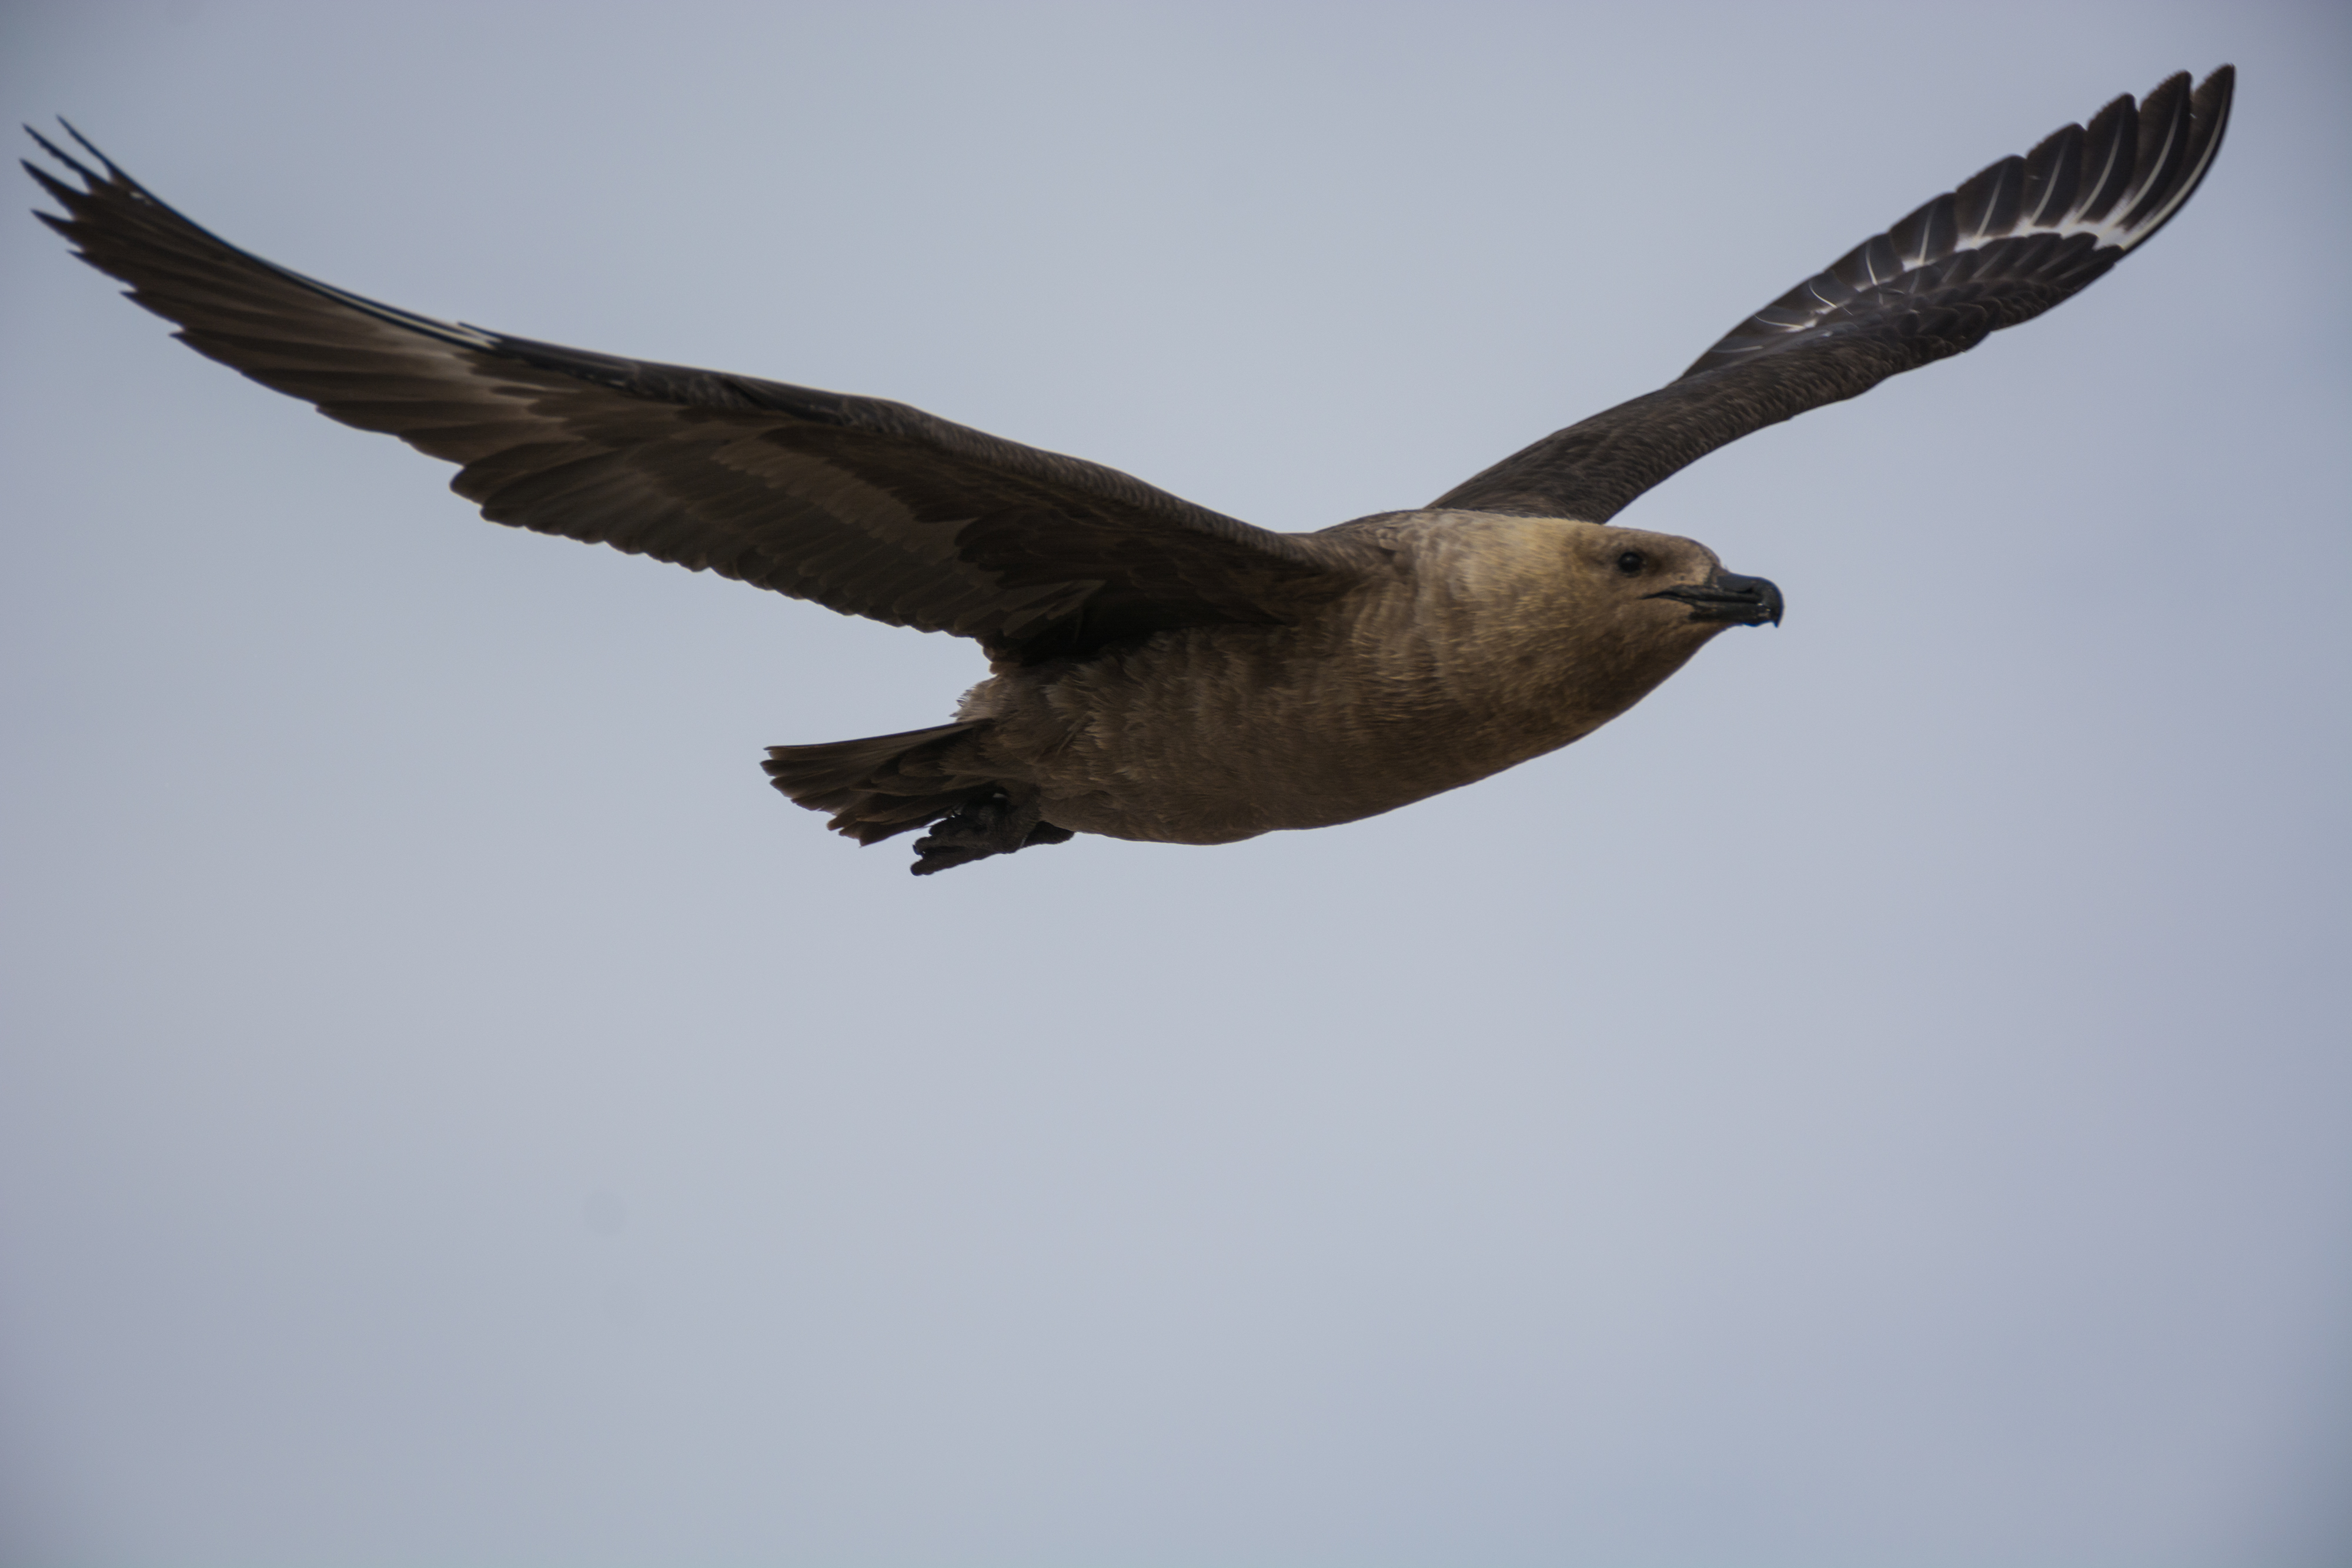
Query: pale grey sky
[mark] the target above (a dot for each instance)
(1883, 1102)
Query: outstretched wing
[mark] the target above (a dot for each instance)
(869, 507)
(2022, 236)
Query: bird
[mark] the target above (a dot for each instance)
(1158, 671)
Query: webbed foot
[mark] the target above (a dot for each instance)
(990, 825)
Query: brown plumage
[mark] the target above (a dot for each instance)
(1160, 671)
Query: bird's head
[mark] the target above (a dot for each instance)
(1630, 607)
(1669, 583)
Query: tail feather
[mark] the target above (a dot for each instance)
(879, 786)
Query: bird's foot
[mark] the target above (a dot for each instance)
(992, 825)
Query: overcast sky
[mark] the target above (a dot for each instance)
(1881, 1104)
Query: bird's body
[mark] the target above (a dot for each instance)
(1161, 671)
(1466, 648)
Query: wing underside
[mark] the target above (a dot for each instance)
(869, 507)
(2024, 235)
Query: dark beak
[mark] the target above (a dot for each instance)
(1728, 597)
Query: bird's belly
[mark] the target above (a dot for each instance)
(1211, 736)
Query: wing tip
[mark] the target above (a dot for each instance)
(2202, 116)
(2158, 150)
(90, 178)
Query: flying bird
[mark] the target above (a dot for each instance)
(1158, 671)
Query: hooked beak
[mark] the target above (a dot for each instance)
(1728, 597)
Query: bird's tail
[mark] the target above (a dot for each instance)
(882, 785)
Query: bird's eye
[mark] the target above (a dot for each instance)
(1632, 562)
